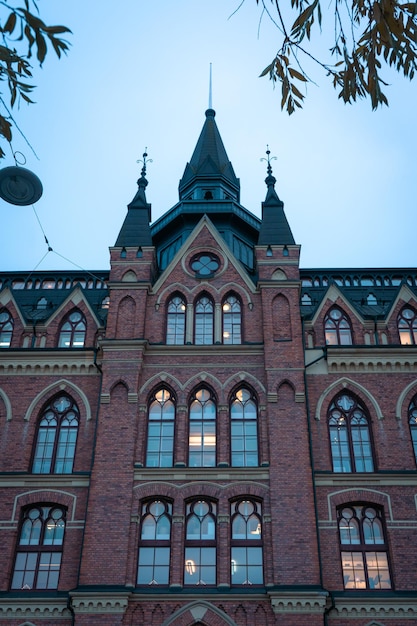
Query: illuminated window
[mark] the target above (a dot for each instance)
(363, 547)
(161, 419)
(407, 326)
(200, 543)
(38, 554)
(154, 547)
(232, 320)
(412, 420)
(246, 564)
(204, 321)
(176, 321)
(244, 429)
(73, 329)
(337, 328)
(202, 438)
(6, 328)
(350, 438)
(56, 437)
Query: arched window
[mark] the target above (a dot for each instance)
(246, 564)
(232, 320)
(204, 321)
(39, 551)
(176, 321)
(200, 543)
(73, 329)
(350, 438)
(407, 326)
(6, 328)
(202, 439)
(161, 420)
(56, 437)
(244, 429)
(154, 546)
(337, 328)
(363, 547)
(412, 420)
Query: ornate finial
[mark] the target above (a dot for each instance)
(268, 160)
(145, 161)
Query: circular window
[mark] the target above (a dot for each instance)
(205, 264)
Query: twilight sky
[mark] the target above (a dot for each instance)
(137, 75)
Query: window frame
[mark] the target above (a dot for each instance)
(67, 337)
(162, 421)
(207, 428)
(176, 319)
(412, 422)
(229, 322)
(59, 429)
(244, 422)
(251, 544)
(350, 444)
(44, 549)
(363, 550)
(205, 320)
(202, 548)
(6, 328)
(155, 546)
(337, 330)
(409, 326)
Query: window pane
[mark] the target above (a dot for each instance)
(353, 570)
(200, 566)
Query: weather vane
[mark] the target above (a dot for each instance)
(145, 161)
(268, 159)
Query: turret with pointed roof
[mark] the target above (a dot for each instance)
(275, 229)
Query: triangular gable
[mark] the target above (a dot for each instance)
(333, 293)
(205, 222)
(6, 296)
(75, 297)
(405, 294)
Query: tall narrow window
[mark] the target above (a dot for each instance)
(73, 329)
(176, 321)
(200, 543)
(56, 437)
(154, 548)
(204, 321)
(38, 554)
(412, 420)
(246, 564)
(232, 320)
(337, 328)
(407, 326)
(350, 437)
(161, 420)
(363, 547)
(202, 439)
(6, 328)
(244, 429)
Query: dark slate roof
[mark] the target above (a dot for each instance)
(135, 231)
(31, 289)
(209, 159)
(275, 229)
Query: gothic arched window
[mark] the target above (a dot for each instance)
(73, 330)
(232, 320)
(412, 420)
(363, 547)
(6, 328)
(407, 326)
(244, 429)
(202, 438)
(337, 328)
(161, 422)
(350, 437)
(246, 564)
(176, 321)
(204, 321)
(56, 437)
(39, 551)
(200, 543)
(155, 543)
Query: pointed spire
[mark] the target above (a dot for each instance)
(136, 230)
(275, 229)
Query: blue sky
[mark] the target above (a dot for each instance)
(137, 75)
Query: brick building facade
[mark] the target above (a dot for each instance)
(207, 434)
